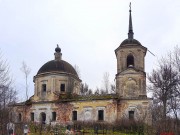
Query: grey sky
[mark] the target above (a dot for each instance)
(88, 32)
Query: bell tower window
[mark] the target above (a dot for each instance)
(130, 61)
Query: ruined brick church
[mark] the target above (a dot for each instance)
(57, 96)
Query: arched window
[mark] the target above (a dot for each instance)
(43, 118)
(130, 61)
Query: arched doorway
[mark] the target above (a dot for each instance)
(43, 118)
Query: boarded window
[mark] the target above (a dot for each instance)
(53, 116)
(74, 117)
(130, 61)
(101, 115)
(131, 115)
(62, 87)
(32, 116)
(44, 87)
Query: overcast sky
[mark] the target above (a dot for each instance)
(87, 31)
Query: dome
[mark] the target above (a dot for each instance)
(57, 66)
(130, 41)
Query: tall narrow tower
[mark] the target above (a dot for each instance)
(131, 76)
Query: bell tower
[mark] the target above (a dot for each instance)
(131, 76)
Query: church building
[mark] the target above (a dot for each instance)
(57, 97)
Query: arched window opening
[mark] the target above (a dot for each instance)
(130, 61)
(43, 118)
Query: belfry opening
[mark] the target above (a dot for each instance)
(130, 61)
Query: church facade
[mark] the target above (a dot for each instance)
(57, 96)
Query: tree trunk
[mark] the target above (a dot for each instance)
(164, 114)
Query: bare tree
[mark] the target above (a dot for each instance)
(176, 58)
(113, 88)
(77, 70)
(7, 94)
(26, 71)
(106, 83)
(163, 81)
(84, 89)
(97, 91)
(175, 100)
(89, 92)
(165, 85)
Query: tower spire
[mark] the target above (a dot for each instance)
(130, 33)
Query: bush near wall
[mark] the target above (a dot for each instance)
(167, 133)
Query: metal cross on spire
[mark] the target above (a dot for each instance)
(130, 33)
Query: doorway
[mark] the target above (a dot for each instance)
(43, 118)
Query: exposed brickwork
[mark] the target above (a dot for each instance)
(64, 112)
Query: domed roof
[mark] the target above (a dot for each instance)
(130, 41)
(57, 66)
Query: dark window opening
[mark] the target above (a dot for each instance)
(131, 115)
(74, 115)
(43, 118)
(130, 61)
(19, 117)
(44, 87)
(53, 116)
(32, 116)
(62, 87)
(101, 115)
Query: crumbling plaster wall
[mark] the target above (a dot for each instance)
(88, 110)
(46, 108)
(141, 110)
(131, 85)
